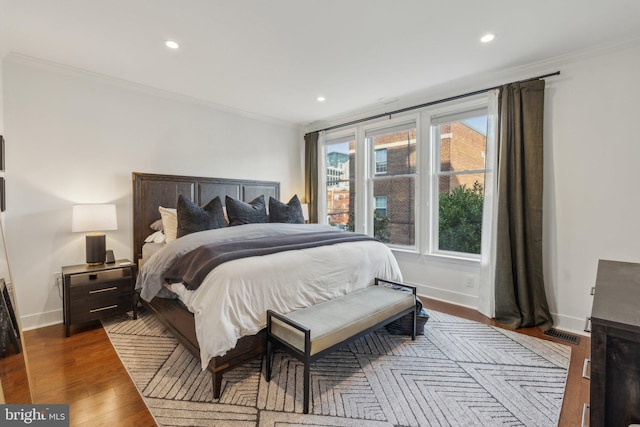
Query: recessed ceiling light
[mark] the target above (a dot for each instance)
(321, 99)
(487, 38)
(171, 44)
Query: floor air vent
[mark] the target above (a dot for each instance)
(564, 336)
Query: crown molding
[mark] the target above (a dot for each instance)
(489, 78)
(28, 60)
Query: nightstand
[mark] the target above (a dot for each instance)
(94, 292)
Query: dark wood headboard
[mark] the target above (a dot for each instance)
(153, 190)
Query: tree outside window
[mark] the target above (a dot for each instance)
(461, 151)
(451, 183)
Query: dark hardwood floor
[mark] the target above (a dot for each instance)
(85, 372)
(15, 380)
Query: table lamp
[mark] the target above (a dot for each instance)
(305, 211)
(94, 218)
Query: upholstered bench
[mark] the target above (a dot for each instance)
(312, 332)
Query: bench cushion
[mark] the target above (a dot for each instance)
(336, 320)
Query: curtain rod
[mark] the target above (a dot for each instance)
(428, 104)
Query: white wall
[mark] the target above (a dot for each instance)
(73, 138)
(5, 272)
(591, 205)
(591, 202)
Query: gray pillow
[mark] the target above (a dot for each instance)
(289, 213)
(240, 212)
(193, 218)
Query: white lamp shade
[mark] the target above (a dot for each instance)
(95, 217)
(305, 211)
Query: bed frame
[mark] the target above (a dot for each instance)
(153, 190)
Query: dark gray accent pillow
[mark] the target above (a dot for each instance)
(193, 218)
(240, 212)
(290, 213)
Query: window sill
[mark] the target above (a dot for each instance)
(413, 256)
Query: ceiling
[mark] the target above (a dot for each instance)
(275, 57)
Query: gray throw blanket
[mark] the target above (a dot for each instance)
(194, 266)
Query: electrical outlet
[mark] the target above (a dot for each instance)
(57, 279)
(470, 282)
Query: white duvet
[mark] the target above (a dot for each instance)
(233, 300)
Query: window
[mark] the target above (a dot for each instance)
(381, 160)
(381, 205)
(460, 142)
(420, 179)
(340, 181)
(394, 181)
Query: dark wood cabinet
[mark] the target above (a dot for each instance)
(96, 292)
(615, 346)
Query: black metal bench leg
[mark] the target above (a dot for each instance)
(306, 388)
(413, 331)
(268, 361)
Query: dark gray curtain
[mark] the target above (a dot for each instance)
(311, 174)
(519, 284)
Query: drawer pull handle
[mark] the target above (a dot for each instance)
(95, 310)
(585, 408)
(93, 276)
(585, 366)
(587, 325)
(97, 291)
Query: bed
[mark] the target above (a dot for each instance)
(244, 322)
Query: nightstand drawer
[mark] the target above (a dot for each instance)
(97, 308)
(93, 292)
(81, 292)
(99, 276)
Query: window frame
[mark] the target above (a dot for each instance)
(386, 161)
(345, 135)
(426, 202)
(436, 173)
(386, 205)
(380, 127)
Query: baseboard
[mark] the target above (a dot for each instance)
(570, 324)
(566, 323)
(464, 300)
(40, 320)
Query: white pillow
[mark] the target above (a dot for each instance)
(156, 225)
(157, 237)
(169, 223)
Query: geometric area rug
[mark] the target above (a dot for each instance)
(459, 373)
